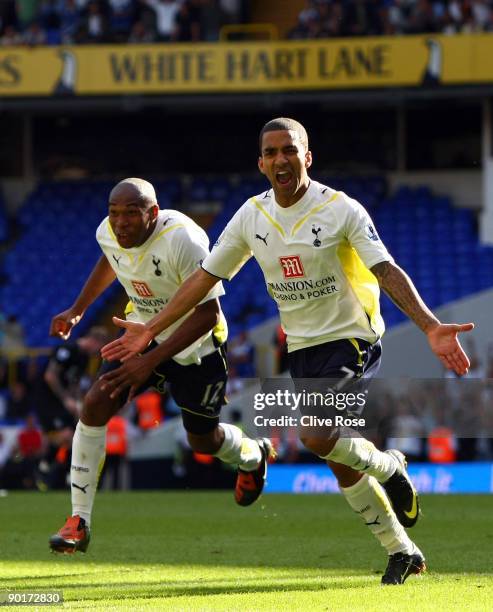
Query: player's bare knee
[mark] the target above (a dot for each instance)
(97, 408)
(208, 443)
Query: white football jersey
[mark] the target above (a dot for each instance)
(315, 256)
(152, 273)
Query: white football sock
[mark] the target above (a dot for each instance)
(88, 453)
(363, 456)
(368, 500)
(237, 449)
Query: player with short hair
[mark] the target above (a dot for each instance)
(323, 263)
(152, 252)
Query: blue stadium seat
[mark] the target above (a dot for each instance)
(53, 37)
(199, 190)
(170, 189)
(58, 242)
(220, 189)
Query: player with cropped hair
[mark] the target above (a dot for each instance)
(152, 252)
(303, 230)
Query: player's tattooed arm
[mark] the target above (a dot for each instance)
(401, 290)
(442, 337)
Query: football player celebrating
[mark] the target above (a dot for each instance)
(323, 263)
(152, 252)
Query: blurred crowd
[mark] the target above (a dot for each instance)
(40, 402)
(436, 421)
(336, 18)
(54, 22)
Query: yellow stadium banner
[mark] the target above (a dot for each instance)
(407, 61)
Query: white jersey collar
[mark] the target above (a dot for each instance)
(295, 208)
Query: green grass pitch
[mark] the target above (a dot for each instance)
(199, 551)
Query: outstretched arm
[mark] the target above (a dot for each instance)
(138, 335)
(134, 372)
(193, 291)
(442, 337)
(101, 277)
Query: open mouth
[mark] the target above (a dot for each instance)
(122, 237)
(284, 177)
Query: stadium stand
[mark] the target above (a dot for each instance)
(55, 22)
(332, 19)
(56, 249)
(444, 269)
(55, 252)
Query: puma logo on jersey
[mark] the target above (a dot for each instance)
(117, 260)
(262, 238)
